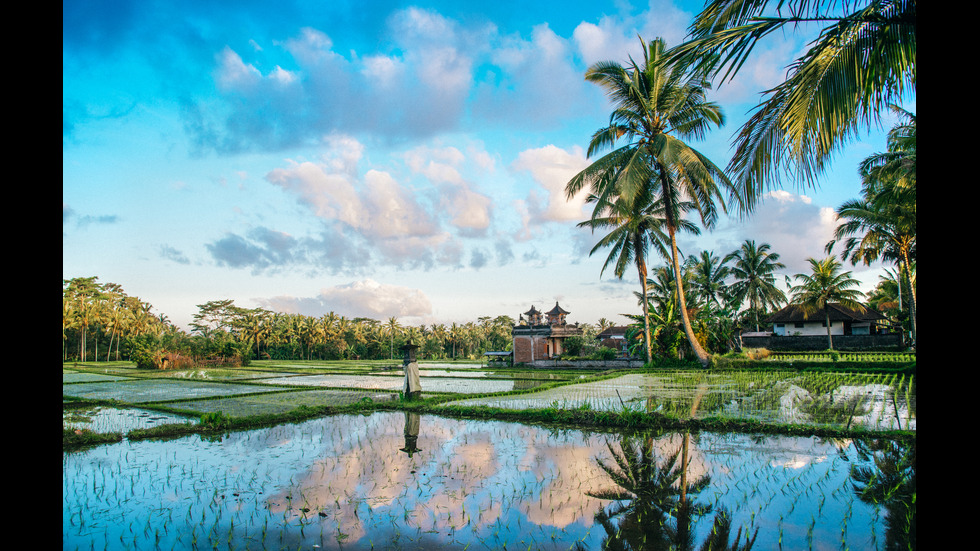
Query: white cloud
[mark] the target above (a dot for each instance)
(551, 168)
(532, 82)
(365, 298)
(468, 209)
(234, 74)
(602, 42)
(793, 225)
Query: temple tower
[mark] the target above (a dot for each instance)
(542, 335)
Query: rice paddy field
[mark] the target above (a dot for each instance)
(389, 477)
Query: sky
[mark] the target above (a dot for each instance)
(379, 158)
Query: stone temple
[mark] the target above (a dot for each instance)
(540, 335)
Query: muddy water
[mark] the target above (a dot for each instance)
(397, 480)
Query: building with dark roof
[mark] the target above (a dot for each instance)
(792, 320)
(540, 335)
(613, 337)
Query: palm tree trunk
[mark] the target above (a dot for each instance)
(908, 277)
(641, 267)
(702, 356)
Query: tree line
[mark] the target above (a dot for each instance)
(102, 323)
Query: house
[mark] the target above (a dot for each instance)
(613, 337)
(539, 336)
(792, 321)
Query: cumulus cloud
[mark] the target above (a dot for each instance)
(417, 89)
(551, 168)
(615, 37)
(364, 298)
(468, 209)
(793, 225)
(533, 81)
(265, 250)
(367, 218)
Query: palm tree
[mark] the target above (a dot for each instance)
(897, 164)
(83, 293)
(754, 270)
(862, 61)
(455, 335)
(883, 231)
(882, 224)
(393, 328)
(656, 105)
(708, 277)
(826, 285)
(636, 227)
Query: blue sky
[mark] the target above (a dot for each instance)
(375, 158)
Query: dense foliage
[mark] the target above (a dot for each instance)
(102, 323)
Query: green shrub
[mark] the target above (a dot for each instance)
(146, 351)
(216, 420)
(605, 353)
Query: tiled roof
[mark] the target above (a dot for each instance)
(617, 331)
(793, 313)
(557, 310)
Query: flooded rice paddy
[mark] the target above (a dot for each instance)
(877, 402)
(401, 480)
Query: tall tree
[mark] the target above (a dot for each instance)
(83, 294)
(862, 61)
(392, 328)
(882, 224)
(897, 164)
(754, 269)
(635, 227)
(823, 286)
(655, 107)
(708, 274)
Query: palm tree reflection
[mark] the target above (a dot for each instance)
(653, 498)
(889, 479)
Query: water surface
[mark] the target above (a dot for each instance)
(397, 480)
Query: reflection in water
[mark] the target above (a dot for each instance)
(351, 482)
(412, 422)
(872, 401)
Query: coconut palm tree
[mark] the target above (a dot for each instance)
(876, 231)
(708, 274)
(882, 224)
(754, 269)
(83, 294)
(823, 286)
(636, 227)
(862, 61)
(656, 106)
(897, 163)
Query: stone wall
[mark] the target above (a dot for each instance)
(588, 364)
(813, 342)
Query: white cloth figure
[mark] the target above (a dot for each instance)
(413, 386)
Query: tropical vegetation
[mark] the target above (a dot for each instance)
(881, 224)
(862, 60)
(101, 323)
(656, 106)
(823, 286)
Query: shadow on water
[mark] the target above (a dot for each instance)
(399, 480)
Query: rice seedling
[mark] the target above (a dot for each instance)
(347, 481)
